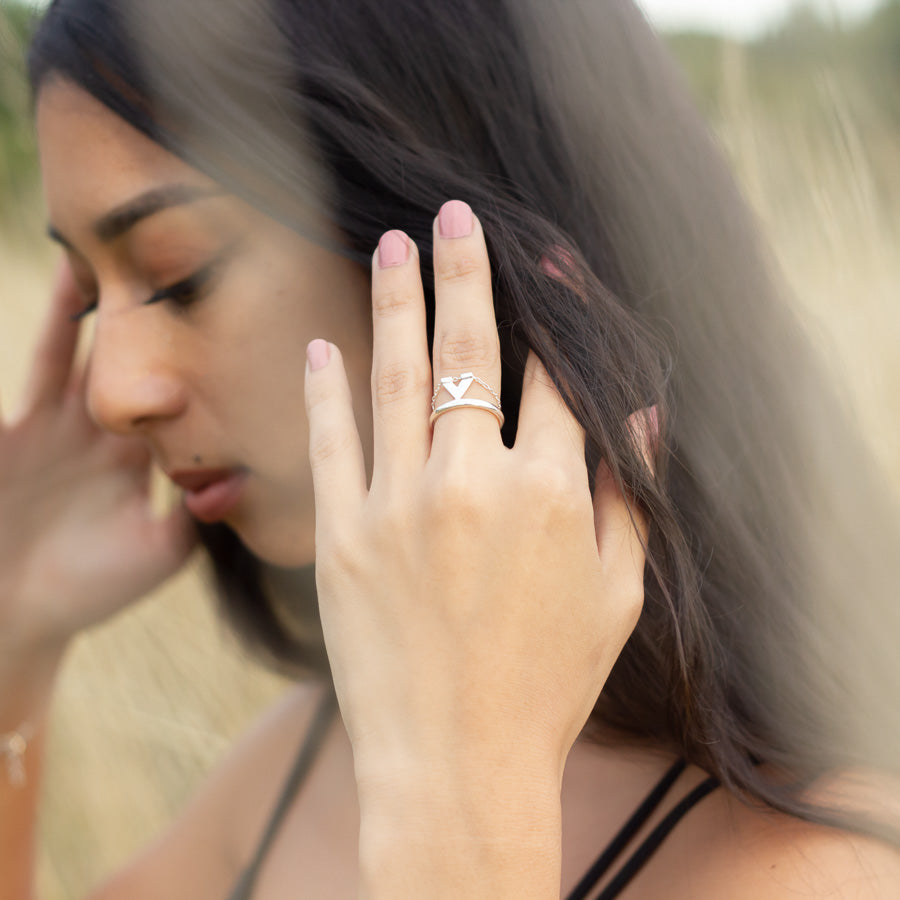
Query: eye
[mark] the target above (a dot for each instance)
(84, 313)
(182, 294)
(87, 293)
(188, 291)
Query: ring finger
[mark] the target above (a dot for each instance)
(465, 329)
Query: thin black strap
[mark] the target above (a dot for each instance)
(655, 838)
(243, 889)
(627, 832)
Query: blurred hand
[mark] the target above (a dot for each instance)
(78, 540)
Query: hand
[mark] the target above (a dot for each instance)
(78, 540)
(475, 598)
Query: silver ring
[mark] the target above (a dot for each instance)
(474, 404)
(456, 386)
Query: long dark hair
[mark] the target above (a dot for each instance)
(568, 130)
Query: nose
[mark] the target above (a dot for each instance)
(132, 378)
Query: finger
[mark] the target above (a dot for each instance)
(401, 369)
(57, 342)
(546, 424)
(465, 330)
(644, 428)
(170, 539)
(622, 530)
(617, 517)
(335, 451)
(559, 264)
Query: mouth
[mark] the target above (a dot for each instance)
(210, 494)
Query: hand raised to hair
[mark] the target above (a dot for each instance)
(77, 537)
(475, 597)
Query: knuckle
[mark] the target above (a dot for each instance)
(398, 381)
(553, 484)
(390, 302)
(337, 555)
(467, 348)
(328, 444)
(453, 268)
(454, 500)
(394, 519)
(319, 396)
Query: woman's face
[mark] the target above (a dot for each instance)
(211, 375)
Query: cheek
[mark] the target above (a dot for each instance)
(271, 303)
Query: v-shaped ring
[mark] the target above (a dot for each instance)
(457, 385)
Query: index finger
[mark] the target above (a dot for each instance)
(51, 366)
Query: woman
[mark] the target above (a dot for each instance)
(592, 551)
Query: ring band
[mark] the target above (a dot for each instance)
(456, 386)
(474, 404)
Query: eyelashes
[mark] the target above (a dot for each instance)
(181, 295)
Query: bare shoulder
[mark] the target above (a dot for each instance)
(744, 852)
(202, 852)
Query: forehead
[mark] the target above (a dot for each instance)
(92, 160)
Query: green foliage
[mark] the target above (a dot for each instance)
(785, 68)
(783, 71)
(18, 168)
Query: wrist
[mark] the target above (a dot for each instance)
(494, 833)
(27, 678)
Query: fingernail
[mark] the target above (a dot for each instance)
(653, 418)
(549, 268)
(455, 220)
(318, 353)
(393, 249)
(644, 427)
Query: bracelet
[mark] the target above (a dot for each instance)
(12, 748)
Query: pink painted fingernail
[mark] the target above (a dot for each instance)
(455, 220)
(393, 249)
(318, 353)
(653, 417)
(644, 427)
(549, 268)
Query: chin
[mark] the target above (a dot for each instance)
(286, 543)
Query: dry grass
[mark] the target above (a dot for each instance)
(827, 195)
(149, 702)
(146, 704)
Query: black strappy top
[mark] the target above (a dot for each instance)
(243, 889)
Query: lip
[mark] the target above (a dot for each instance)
(210, 494)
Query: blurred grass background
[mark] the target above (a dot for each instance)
(809, 115)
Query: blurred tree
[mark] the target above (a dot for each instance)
(18, 168)
(878, 44)
(785, 66)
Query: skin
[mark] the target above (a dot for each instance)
(222, 379)
(455, 770)
(208, 381)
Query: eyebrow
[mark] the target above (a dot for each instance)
(123, 218)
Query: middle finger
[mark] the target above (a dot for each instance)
(465, 328)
